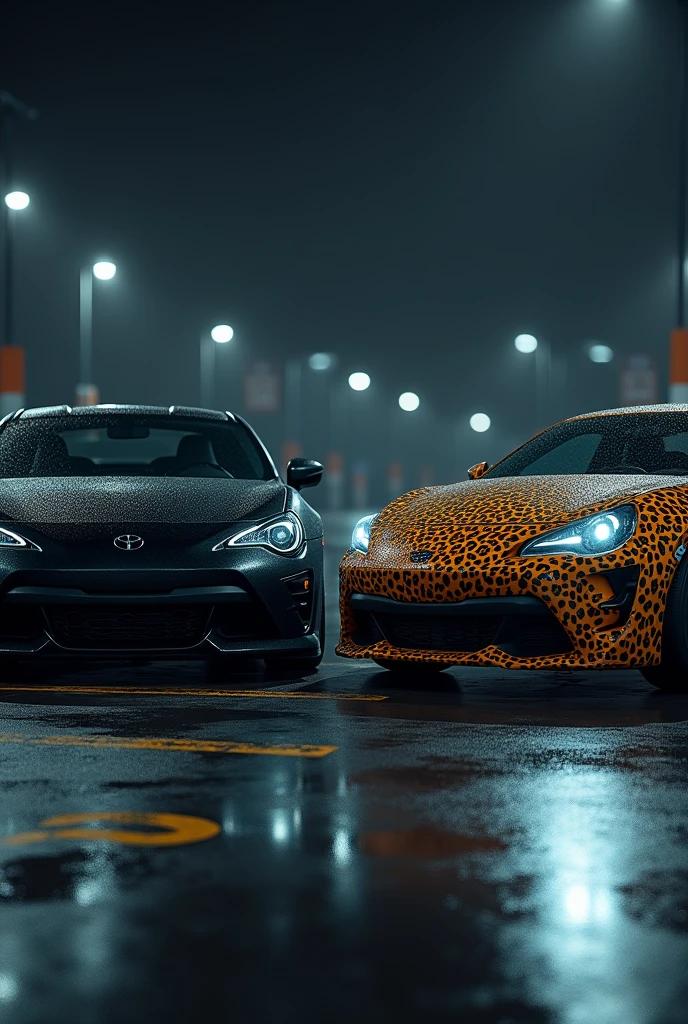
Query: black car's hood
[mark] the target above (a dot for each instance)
(127, 499)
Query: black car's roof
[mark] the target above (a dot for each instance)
(172, 411)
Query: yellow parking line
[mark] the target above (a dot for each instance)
(163, 743)
(180, 692)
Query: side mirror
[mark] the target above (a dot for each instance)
(303, 473)
(480, 469)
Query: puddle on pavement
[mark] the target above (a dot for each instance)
(425, 843)
(426, 778)
(658, 899)
(78, 876)
(42, 878)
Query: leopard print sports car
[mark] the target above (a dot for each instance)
(568, 553)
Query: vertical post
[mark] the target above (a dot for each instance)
(207, 370)
(678, 359)
(85, 326)
(543, 376)
(682, 166)
(8, 325)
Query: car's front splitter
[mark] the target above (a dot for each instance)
(576, 592)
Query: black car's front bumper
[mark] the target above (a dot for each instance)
(250, 603)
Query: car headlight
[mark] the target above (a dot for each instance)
(594, 535)
(13, 540)
(360, 538)
(283, 534)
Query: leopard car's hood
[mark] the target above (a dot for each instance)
(516, 500)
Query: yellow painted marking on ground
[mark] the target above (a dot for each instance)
(177, 829)
(180, 692)
(163, 743)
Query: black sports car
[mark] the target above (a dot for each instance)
(129, 529)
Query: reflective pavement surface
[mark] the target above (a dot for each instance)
(496, 847)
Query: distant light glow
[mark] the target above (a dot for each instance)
(222, 334)
(359, 381)
(104, 270)
(480, 422)
(601, 353)
(88, 892)
(341, 846)
(409, 402)
(526, 343)
(17, 200)
(320, 361)
(9, 989)
(280, 827)
(577, 904)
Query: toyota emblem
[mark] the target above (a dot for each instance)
(128, 542)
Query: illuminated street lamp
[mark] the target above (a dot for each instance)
(525, 343)
(221, 334)
(600, 353)
(17, 200)
(359, 381)
(528, 344)
(102, 270)
(409, 401)
(321, 361)
(480, 422)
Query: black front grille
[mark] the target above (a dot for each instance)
(440, 632)
(527, 637)
(130, 627)
(521, 635)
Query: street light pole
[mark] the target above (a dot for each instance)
(8, 326)
(220, 335)
(86, 390)
(682, 166)
(10, 107)
(678, 366)
(11, 356)
(85, 327)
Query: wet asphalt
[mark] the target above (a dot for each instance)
(493, 847)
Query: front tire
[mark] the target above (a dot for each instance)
(672, 673)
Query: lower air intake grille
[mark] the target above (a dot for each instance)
(112, 627)
(440, 633)
(522, 635)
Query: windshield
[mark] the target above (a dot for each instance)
(625, 443)
(130, 445)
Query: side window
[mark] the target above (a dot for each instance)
(573, 456)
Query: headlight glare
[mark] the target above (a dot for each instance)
(283, 535)
(595, 535)
(360, 538)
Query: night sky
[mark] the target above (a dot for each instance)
(407, 185)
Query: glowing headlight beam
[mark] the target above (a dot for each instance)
(595, 535)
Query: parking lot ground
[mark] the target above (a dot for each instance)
(494, 847)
